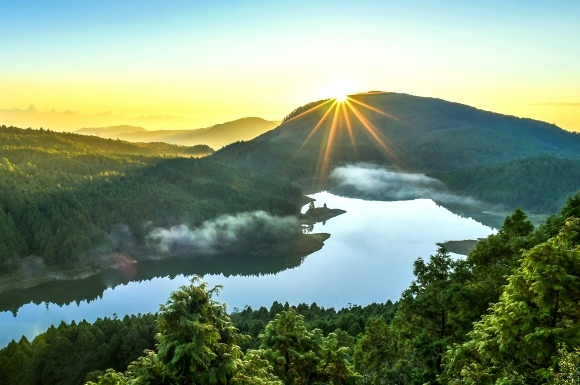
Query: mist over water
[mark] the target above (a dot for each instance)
(376, 183)
(239, 230)
(368, 258)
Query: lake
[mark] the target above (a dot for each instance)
(368, 258)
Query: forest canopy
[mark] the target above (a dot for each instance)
(64, 194)
(506, 314)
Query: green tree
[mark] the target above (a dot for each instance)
(428, 319)
(255, 370)
(538, 310)
(14, 362)
(494, 258)
(110, 377)
(197, 342)
(299, 355)
(291, 348)
(377, 356)
(554, 223)
(568, 368)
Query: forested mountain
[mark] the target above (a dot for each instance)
(71, 199)
(423, 134)
(215, 136)
(472, 151)
(65, 194)
(506, 314)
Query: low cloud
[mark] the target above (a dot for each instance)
(55, 119)
(33, 111)
(72, 120)
(373, 182)
(242, 231)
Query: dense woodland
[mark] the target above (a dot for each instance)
(507, 314)
(63, 194)
(500, 159)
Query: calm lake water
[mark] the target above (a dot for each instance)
(368, 258)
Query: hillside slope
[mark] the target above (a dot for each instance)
(215, 136)
(423, 133)
(74, 200)
(418, 135)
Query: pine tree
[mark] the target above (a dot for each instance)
(538, 310)
(197, 342)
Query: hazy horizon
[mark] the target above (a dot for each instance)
(187, 65)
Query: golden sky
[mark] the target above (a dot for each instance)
(190, 64)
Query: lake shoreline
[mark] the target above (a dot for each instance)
(304, 245)
(461, 247)
(369, 258)
(33, 272)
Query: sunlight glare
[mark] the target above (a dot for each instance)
(338, 90)
(338, 119)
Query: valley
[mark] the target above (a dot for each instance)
(372, 242)
(95, 228)
(289, 193)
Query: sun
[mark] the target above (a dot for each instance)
(343, 115)
(338, 90)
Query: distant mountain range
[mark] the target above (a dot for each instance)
(494, 157)
(215, 136)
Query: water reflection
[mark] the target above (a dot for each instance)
(92, 288)
(368, 258)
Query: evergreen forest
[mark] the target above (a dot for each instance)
(507, 314)
(64, 195)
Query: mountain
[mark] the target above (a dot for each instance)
(215, 136)
(74, 199)
(455, 143)
(423, 134)
(109, 132)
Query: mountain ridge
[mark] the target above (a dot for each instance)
(425, 135)
(416, 123)
(215, 136)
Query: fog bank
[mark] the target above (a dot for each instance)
(373, 182)
(241, 230)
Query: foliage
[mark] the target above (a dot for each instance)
(351, 320)
(568, 367)
(255, 370)
(495, 257)
(73, 353)
(537, 311)
(64, 195)
(302, 356)
(197, 342)
(429, 319)
(377, 355)
(514, 183)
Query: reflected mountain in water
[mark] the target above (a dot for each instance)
(93, 287)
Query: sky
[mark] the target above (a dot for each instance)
(191, 64)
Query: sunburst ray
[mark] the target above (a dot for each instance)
(372, 108)
(318, 125)
(341, 123)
